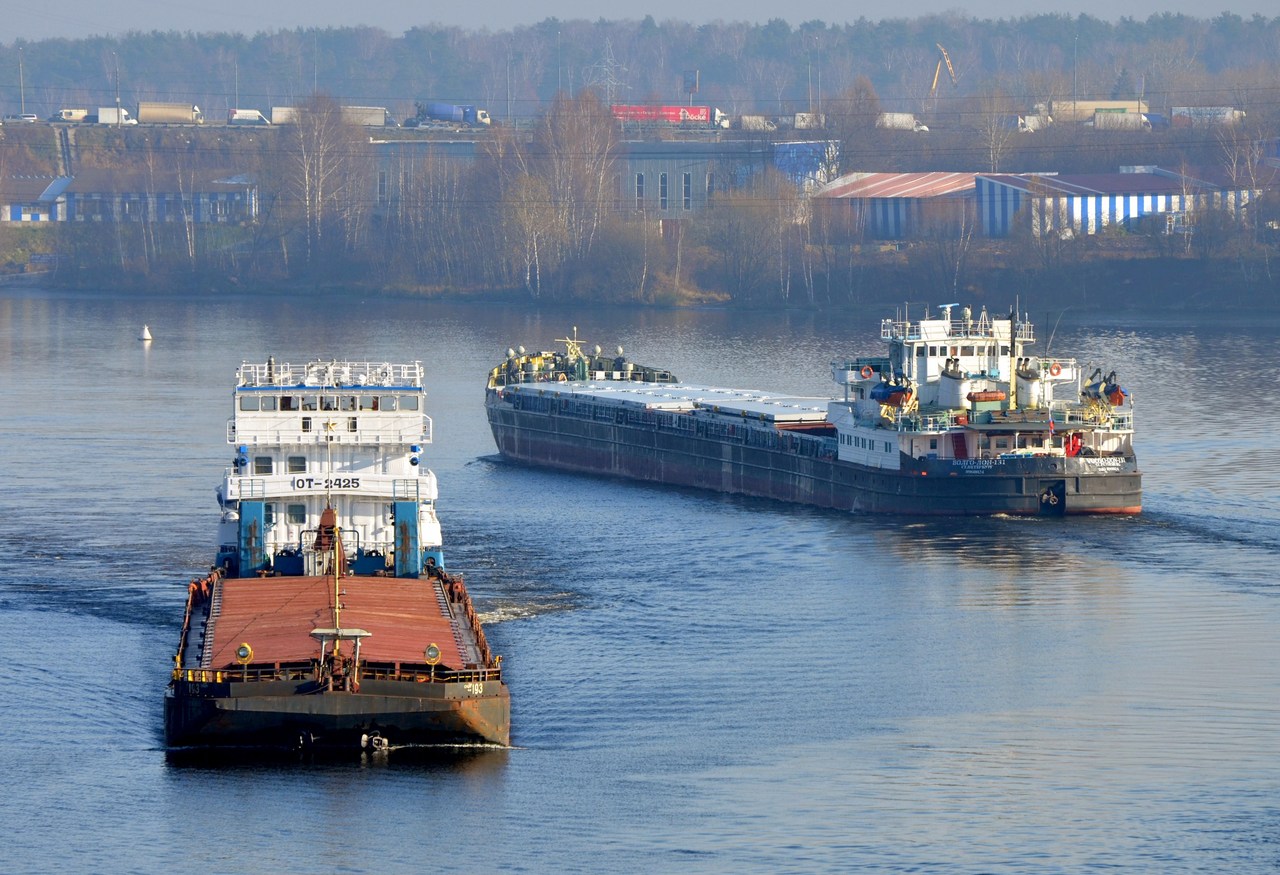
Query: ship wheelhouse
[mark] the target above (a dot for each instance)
(341, 435)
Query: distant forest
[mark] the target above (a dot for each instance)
(535, 215)
(742, 68)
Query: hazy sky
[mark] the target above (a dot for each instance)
(34, 19)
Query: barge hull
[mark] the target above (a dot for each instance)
(1031, 486)
(221, 717)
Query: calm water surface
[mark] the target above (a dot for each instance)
(700, 683)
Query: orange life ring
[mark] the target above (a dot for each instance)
(866, 372)
(1055, 369)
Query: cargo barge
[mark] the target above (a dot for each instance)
(329, 618)
(957, 418)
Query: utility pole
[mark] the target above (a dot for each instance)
(116, 60)
(22, 87)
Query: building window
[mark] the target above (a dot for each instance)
(639, 191)
(297, 514)
(687, 191)
(297, 464)
(261, 464)
(662, 190)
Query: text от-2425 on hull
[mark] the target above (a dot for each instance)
(328, 618)
(958, 417)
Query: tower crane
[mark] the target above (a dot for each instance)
(945, 59)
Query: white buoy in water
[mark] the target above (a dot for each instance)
(146, 334)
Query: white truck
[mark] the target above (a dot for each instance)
(114, 115)
(900, 121)
(70, 115)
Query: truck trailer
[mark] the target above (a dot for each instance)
(683, 116)
(156, 113)
(452, 114)
(1201, 116)
(369, 116)
(900, 121)
(246, 117)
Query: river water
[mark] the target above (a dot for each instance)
(700, 683)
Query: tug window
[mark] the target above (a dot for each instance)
(348, 402)
(309, 402)
(289, 402)
(328, 402)
(297, 464)
(297, 514)
(409, 402)
(269, 402)
(269, 514)
(249, 402)
(262, 464)
(386, 402)
(368, 402)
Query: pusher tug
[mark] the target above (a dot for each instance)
(328, 619)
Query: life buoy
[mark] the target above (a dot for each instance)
(1055, 369)
(866, 372)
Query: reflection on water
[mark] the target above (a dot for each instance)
(699, 682)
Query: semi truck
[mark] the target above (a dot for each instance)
(246, 117)
(156, 113)
(452, 114)
(113, 115)
(900, 121)
(1085, 110)
(682, 116)
(284, 115)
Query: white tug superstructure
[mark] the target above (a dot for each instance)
(340, 434)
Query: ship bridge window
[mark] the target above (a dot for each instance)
(297, 464)
(966, 350)
(249, 402)
(309, 402)
(409, 402)
(289, 402)
(261, 464)
(368, 402)
(268, 402)
(328, 402)
(386, 402)
(297, 514)
(347, 402)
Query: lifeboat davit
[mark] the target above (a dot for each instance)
(891, 394)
